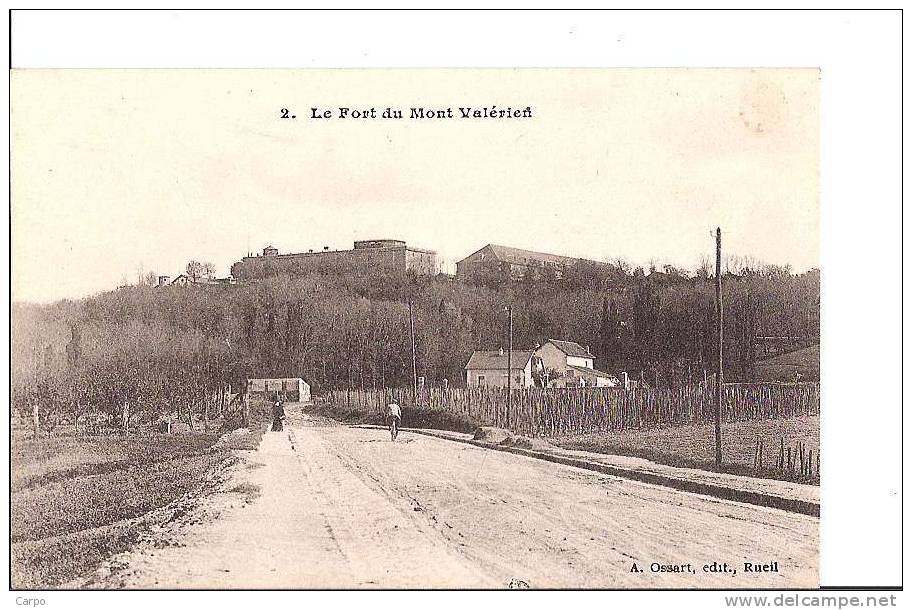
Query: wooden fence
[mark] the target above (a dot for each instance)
(555, 411)
(798, 462)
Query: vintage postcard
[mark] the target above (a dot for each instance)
(415, 329)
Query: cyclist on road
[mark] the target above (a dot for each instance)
(393, 415)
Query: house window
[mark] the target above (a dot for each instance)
(481, 380)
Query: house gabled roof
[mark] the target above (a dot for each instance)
(571, 348)
(200, 280)
(594, 372)
(488, 360)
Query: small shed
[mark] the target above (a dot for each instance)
(293, 389)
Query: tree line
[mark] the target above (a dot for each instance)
(158, 351)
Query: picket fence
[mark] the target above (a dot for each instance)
(557, 411)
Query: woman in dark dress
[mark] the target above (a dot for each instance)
(278, 416)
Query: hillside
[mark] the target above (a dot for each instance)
(171, 347)
(805, 361)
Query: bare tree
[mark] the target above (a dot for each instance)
(652, 265)
(741, 265)
(704, 269)
(622, 265)
(208, 270)
(194, 270)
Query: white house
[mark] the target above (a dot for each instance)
(569, 364)
(581, 377)
(293, 389)
(558, 355)
(489, 368)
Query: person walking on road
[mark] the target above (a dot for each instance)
(278, 416)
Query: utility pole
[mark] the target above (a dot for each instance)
(414, 362)
(509, 309)
(718, 413)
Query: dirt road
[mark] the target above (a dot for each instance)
(336, 507)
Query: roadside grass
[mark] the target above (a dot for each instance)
(250, 491)
(241, 439)
(694, 446)
(75, 501)
(434, 419)
(342, 414)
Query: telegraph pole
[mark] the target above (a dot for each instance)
(718, 413)
(510, 367)
(414, 361)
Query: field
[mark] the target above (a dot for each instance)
(77, 500)
(694, 446)
(805, 361)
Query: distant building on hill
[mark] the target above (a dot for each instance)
(373, 256)
(185, 280)
(516, 263)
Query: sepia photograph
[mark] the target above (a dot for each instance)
(415, 329)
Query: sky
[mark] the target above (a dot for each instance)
(120, 171)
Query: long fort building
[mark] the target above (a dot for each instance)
(374, 256)
(515, 262)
